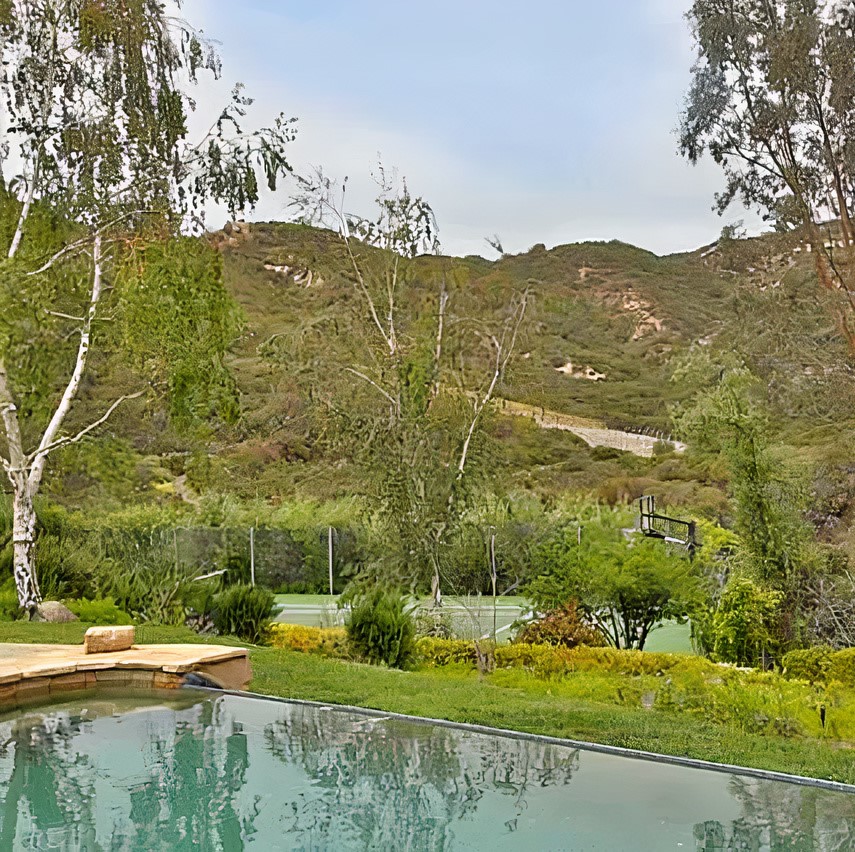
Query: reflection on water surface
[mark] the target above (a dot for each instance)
(223, 772)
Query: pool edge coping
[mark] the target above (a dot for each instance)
(601, 748)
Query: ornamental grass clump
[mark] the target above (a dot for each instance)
(380, 630)
(245, 612)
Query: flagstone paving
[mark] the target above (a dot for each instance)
(29, 671)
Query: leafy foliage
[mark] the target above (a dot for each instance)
(811, 664)
(415, 422)
(728, 418)
(562, 626)
(380, 629)
(245, 612)
(624, 587)
(772, 100)
(177, 322)
(328, 642)
(102, 611)
(744, 624)
(94, 96)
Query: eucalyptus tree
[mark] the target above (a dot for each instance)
(95, 99)
(772, 100)
(416, 409)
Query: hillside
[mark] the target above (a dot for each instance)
(607, 325)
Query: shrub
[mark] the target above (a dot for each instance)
(436, 651)
(843, 666)
(326, 641)
(380, 630)
(98, 611)
(741, 627)
(562, 626)
(9, 609)
(550, 661)
(811, 664)
(433, 622)
(244, 611)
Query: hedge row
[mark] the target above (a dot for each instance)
(543, 659)
(820, 665)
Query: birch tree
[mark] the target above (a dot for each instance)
(95, 99)
(429, 380)
(772, 101)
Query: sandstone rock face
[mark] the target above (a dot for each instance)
(55, 612)
(99, 640)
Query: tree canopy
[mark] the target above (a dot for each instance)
(94, 101)
(772, 100)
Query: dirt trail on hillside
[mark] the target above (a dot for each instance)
(595, 433)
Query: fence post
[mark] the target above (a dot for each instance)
(252, 555)
(330, 548)
(493, 578)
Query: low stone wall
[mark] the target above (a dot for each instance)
(34, 673)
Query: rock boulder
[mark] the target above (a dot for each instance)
(55, 612)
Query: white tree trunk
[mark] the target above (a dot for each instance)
(436, 588)
(23, 542)
(25, 471)
(25, 210)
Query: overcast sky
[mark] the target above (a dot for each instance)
(543, 121)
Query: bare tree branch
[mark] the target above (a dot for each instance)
(41, 452)
(374, 385)
(503, 357)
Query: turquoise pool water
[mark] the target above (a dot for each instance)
(200, 771)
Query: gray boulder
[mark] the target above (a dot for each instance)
(55, 612)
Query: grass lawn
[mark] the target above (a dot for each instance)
(582, 706)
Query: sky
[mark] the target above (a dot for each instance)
(546, 121)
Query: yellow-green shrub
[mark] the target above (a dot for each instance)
(550, 661)
(326, 641)
(433, 651)
(811, 664)
(524, 655)
(842, 666)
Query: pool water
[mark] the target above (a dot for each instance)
(200, 771)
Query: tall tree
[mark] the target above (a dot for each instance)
(772, 100)
(417, 427)
(95, 102)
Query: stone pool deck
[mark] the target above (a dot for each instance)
(31, 672)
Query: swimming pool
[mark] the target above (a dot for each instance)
(199, 770)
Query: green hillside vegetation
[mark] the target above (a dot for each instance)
(619, 310)
(641, 341)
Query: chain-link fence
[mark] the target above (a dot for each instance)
(313, 561)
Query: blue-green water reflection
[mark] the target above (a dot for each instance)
(222, 772)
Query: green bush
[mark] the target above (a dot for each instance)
(433, 622)
(9, 609)
(99, 611)
(843, 666)
(811, 664)
(550, 661)
(522, 655)
(743, 624)
(562, 626)
(436, 651)
(380, 629)
(244, 611)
